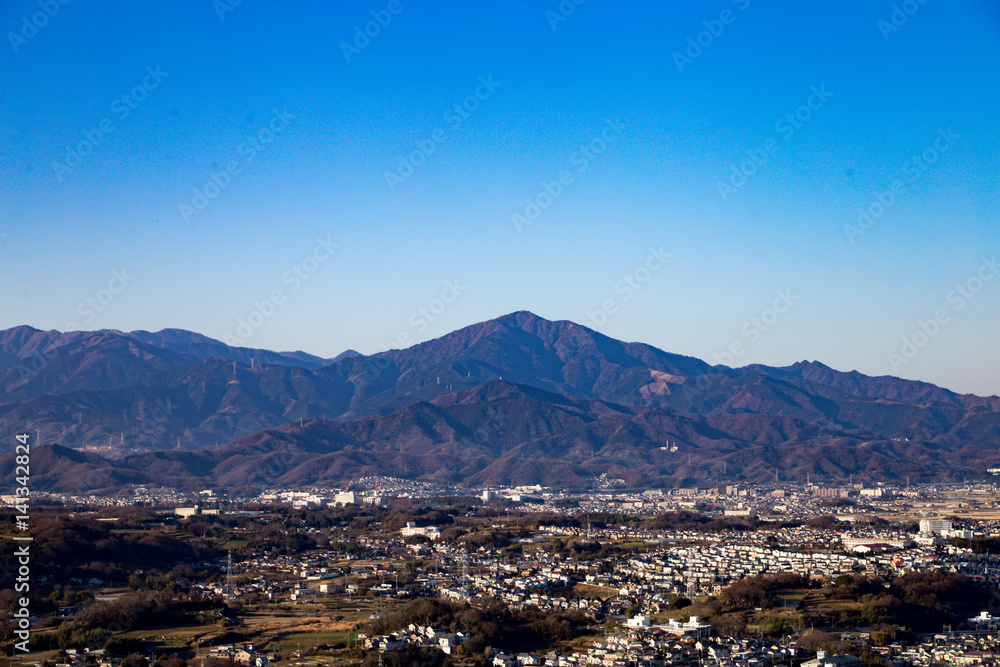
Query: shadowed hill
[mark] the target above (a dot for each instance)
(505, 433)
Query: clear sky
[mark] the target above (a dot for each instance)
(671, 173)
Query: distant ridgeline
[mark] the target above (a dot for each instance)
(515, 400)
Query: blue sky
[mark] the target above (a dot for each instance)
(236, 145)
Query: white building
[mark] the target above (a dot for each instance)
(432, 532)
(935, 526)
(693, 628)
(985, 621)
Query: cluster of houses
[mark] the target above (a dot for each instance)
(945, 650)
(641, 643)
(243, 654)
(674, 644)
(700, 570)
(92, 656)
(421, 636)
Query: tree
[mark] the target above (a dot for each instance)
(135, 660)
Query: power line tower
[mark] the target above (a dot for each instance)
(229, 575)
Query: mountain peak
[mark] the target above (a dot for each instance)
(519, 318)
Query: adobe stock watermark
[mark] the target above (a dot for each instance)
(30, 25)
(912, 171)
(786, 126)
(419, 320)
(363, 36)
(263, 309)
(423, 317)
(217, 180)
(88, 309)
(22, 522)
(122, 107)
(562, 12)
(957, 299)
(454, 117)
(223, 7)
(495, 423)
(90, 481)
(629, 285)
(756, 326)
(900, 14)
(697, 388)
(581, 160)
(149, 421)
(704, 39)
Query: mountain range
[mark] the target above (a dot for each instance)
(518, 399)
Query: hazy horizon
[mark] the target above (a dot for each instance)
(414, 343)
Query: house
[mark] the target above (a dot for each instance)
(245, 656)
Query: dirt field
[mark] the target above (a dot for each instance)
(281, 627)
(592, 592)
